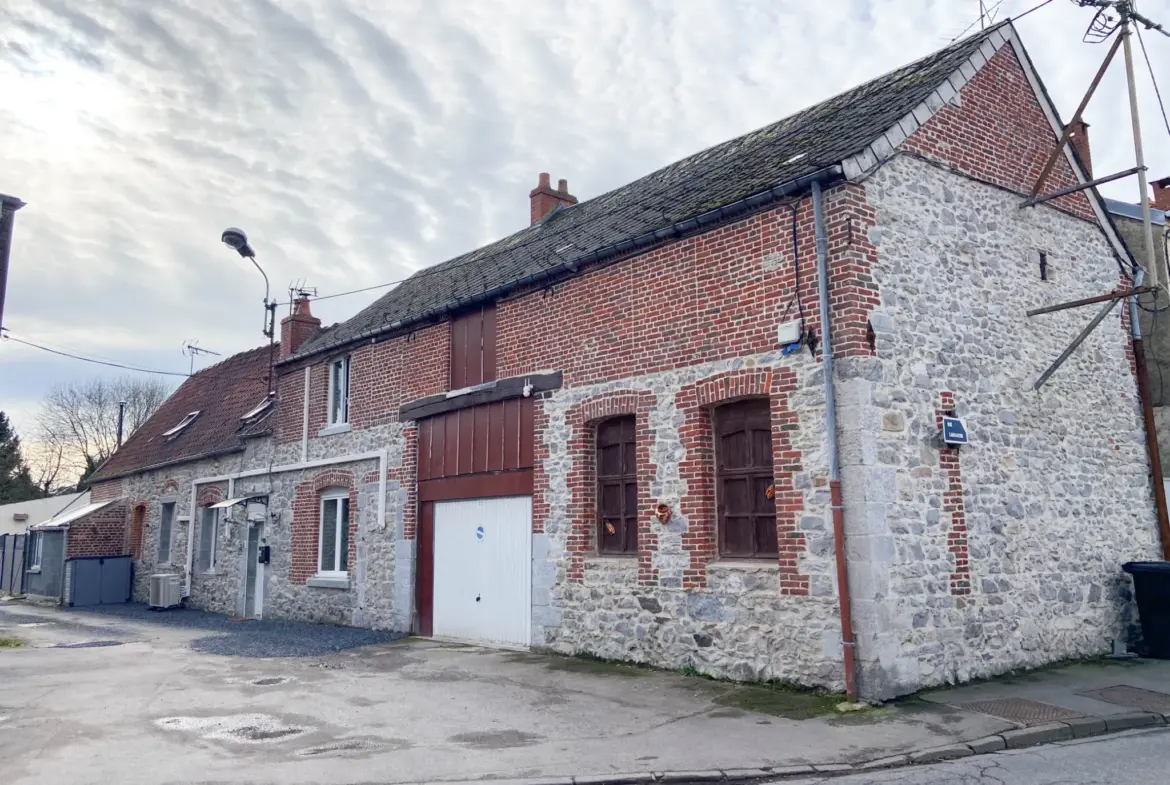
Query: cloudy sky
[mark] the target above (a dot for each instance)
(357, 141)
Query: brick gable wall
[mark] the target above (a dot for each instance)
(999, 134)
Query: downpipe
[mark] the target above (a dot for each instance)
(836, 503)
(1144, 393)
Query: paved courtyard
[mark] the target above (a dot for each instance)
(135, 697)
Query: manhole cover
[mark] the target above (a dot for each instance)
(1132, 697)
(1020, 710)
(87, 645)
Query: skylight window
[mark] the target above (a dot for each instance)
(259, 410)
(173, 432)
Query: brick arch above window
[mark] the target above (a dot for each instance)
(170, 486)
(332, 479)
(745, 383)
(209, 495)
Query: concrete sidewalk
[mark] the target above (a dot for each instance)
(145, 706)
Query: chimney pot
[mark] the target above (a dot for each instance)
(297, 327)
(543, 199)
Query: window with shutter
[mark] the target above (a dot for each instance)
(743, 470)
(208, 533)
(617, 486)
(166, 520)
(473, 348)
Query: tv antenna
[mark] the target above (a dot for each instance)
(298, 288)
(192, 349)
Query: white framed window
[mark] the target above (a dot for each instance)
(34, 551)
(333, 540)
(208, 537)
(339, 391)
(166, 523)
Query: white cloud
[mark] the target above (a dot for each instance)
(357, 141)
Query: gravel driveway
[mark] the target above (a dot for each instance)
(250, 638)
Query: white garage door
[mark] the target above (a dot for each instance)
(483, 570)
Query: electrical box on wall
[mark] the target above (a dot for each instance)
(789, 332)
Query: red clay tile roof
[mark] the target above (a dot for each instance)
(221, 394)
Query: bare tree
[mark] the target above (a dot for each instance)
(78, 422)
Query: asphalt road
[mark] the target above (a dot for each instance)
(1134, 758)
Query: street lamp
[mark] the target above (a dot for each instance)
(238, 241)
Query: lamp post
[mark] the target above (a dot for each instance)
(236, 239)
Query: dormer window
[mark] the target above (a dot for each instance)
(259, 411)
(173, 432)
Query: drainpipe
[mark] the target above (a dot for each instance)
(835, 501)
(1143, 383)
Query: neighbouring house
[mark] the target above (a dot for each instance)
(1154, 317)
(15, 518)
(609, 432)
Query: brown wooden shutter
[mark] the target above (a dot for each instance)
(617, 486)
(473, 348)
(743, 455)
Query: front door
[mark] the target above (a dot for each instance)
(483, 570)
(254, 578)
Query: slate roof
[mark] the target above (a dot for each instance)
(221, 393)
(795, 147)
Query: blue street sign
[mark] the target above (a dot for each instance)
(954, 431)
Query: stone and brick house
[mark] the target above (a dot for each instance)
(607, 433)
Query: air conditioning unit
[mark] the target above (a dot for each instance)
(165, 591)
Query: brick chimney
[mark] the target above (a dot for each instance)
(1161, 198)
(544, 199)
(1080, 140)
(297, 327)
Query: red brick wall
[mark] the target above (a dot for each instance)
(999, 134)
(698, 300)
(306, 521)
(953, 504)
(104, 491)
(102, 533)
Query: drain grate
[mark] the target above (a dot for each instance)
(87, 645)
(1020, 710)
(1132, 697)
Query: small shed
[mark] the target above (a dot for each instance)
(79, 557)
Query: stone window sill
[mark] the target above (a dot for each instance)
(34, 570)
(328, 582)
(744, 564)
(333, 430)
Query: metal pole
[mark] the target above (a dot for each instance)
(1100, 317)
(1051, 162)
(1139, 154)
(8, 207)
(1147, 402)
(836, 501)
(121, 420)
(1072, 189)
(1088, 301)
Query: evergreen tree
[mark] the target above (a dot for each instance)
(16, 484)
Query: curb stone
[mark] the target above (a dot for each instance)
(1133, 719)
(1008, 741)
(936, 754)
